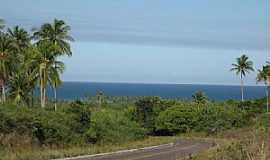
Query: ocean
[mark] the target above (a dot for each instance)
(77, 90)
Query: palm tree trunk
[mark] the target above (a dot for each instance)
(42, 90)
(32, 98)
(55, 97)
(242, 89)
(267, 100)
(41, 93)
(3, 93)
(44, 95)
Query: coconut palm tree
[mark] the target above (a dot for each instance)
(19, 89)
(20, 36)
(264, 76)
(42, 62)
(56, 70)
(6, 59)
(242, 66)
(58, 34)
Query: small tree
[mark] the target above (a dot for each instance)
(146, 112)
(100, 98)
(200, 97)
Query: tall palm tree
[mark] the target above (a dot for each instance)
(242, 66)
(58, 34)
(22, 40)
(264, 76)
(55, 71)
(42, 62)
(6, 65)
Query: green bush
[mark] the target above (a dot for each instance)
(113, 126)
(51, 128)
(253, 107)
(176, 120)
(210, 119)
(46, 127)
(147, 110)
(263, 122)
(80, 117)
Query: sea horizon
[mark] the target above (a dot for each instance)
(71, 90)
(164, 83)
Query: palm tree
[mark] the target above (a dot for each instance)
(42, 62)
(21, 40)
(20, 36)
(264, 76)
(58, 34)
(55, 71)
(242, 67)
(19, 88)
(6, 65)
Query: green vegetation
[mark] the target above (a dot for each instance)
(38, 128)
(249, 143)
(264, 76)
(30, 60)
(80, 127)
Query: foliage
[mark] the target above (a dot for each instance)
(44, 127)
(242, 66)
(253, 107)
(262, 122)
(210, 119)
(81, 116)
(213, 119)
(200, 97)
(177, 119)
(147, 110)
(113, 126)
(30, 59)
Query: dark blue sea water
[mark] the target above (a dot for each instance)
(75, 90)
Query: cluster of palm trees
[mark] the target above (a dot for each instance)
(31, 60)
(244, 66)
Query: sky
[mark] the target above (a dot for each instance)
(154, 41)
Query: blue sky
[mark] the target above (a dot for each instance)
(154, 41)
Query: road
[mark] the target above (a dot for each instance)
(173, 151)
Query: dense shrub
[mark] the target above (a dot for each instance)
(210, 119)
(113, 126)
(253, 107)
(176, 119)
(52, 128)
(147, 110)
(80, 115)
(45, 127)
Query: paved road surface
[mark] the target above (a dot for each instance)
(179, 149)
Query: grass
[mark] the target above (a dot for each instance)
(238, 144)
(31, 153)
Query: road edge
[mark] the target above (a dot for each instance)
(117, 152)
